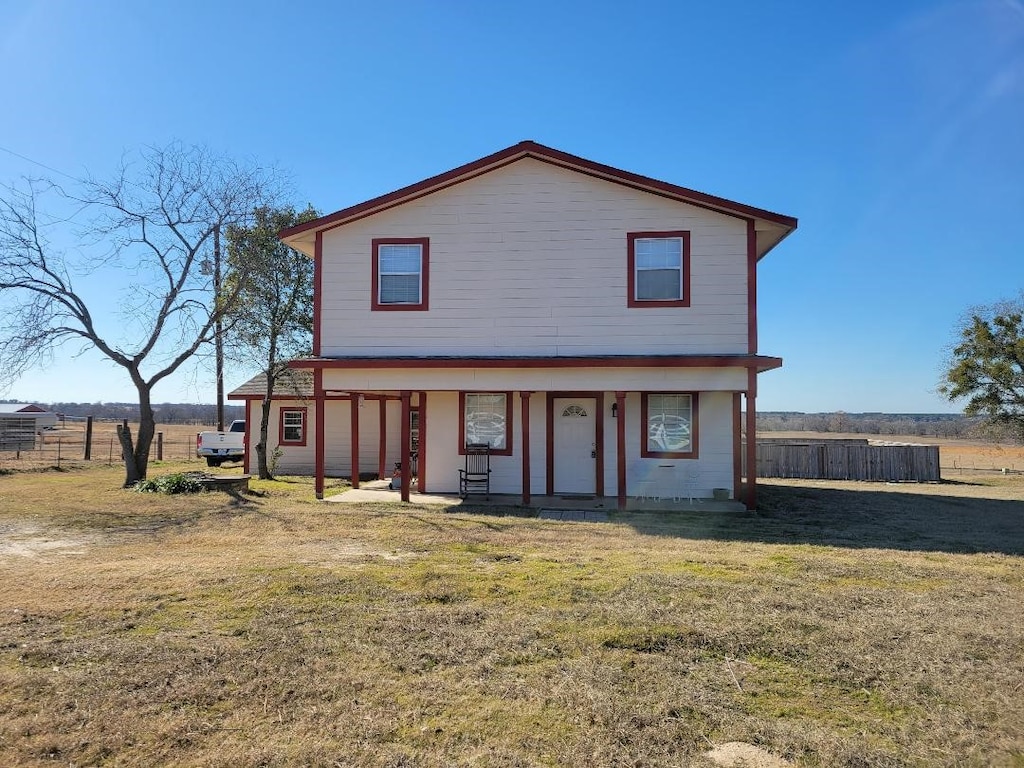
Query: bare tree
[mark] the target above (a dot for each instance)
(838, 422)
(149, 229)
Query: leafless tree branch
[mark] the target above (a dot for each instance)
(154, 222)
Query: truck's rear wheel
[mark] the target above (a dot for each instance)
(212, 462)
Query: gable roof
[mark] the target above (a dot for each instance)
(771, 227)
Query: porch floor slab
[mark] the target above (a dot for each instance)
(380, 492)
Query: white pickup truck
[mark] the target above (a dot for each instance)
(218, 447)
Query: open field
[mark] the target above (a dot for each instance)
(846, 624)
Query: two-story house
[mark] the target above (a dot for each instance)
(595, 327)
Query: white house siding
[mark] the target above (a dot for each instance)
(301, 459)
(444, 460)
(531, 259)
(294, 459)
(338, 431)
(663, 477)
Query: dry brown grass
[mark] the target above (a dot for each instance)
(846, 624)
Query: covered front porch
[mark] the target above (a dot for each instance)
(605, 431)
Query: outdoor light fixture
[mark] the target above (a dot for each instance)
(615, 410)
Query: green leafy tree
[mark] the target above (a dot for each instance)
(272, 321)
(147, 232)
(986, 365)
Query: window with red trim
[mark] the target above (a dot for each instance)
(669, 425)
(659, 269)
(401, 271)
(485, 418)
(292, 428)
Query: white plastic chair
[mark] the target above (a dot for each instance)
(647, 488)
(658, 484)
(691, 484)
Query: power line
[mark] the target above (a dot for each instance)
(41, 165)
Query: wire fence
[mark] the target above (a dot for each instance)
(74, 441)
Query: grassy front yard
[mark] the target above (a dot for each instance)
(846, 624)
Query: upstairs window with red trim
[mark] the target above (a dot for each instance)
(401, 268)
(659, 269)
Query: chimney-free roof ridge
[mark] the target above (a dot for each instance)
(531, 148)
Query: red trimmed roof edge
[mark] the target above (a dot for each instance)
(547, 154)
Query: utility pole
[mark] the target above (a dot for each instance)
(218, 330)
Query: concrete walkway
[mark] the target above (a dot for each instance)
(549, 507)
(574, 515)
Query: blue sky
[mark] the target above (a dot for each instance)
(893, 131)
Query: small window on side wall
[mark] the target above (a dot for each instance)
(486, 419)
(401, 271)
(292, 427)
(669, 424)
(659, 269)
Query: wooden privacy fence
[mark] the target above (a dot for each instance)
(847, 460)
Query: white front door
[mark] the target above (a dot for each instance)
(575, 444)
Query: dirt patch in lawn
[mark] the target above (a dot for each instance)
(26, 540)
(739, 754)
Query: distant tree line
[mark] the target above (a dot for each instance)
(165, 413)
(914, 424)
(949, 425)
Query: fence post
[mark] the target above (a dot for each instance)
(159, 446)
(110, 457)
(58, 452)
(88, 438)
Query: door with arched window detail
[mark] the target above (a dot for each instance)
(575, 446)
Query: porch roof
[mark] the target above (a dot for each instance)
(294, 383)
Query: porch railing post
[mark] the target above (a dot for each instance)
(354, 424)
(620, 447)
(406, 434)
(382, 447)
(318, 398)
(751, 495)
(525, 416)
